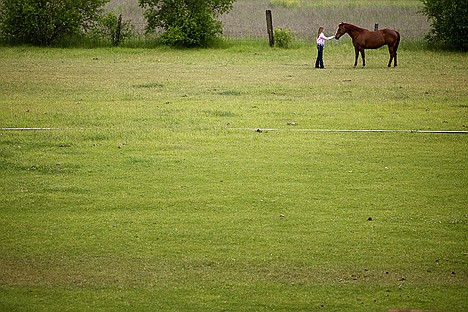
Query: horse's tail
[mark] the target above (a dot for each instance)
(397, 41)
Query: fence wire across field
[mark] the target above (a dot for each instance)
(233, 30)
(260, 130)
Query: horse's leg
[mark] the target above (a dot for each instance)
(357, 56)
(395, 48)
(363, 58)
(392, 55)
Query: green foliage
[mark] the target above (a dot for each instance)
(189, 31)
(449, 23)
(187, 23)
(42, 22)
(109, 28)
(283, 37)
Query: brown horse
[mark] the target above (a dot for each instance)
(366, 39)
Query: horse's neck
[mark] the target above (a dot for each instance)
(353, 31)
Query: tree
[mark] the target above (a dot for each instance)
(42, 22)
(449, 23)
(187, 23)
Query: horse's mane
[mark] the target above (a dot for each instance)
(352, 27)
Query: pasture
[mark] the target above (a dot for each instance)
(153, 190)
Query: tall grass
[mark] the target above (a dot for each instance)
(247, 19)
(347, 4)
(304, 18)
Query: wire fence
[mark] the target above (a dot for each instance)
(304, 23)
(247, 19)
(235, 31)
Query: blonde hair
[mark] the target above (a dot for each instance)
(321, 29)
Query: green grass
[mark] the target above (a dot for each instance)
(153, 191)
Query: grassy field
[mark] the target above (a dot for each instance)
(153, 191)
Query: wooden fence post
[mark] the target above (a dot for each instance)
(269, 21)
(376, 27)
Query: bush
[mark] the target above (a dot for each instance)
(188, 23)
(283, 37)
(109, 28)
(449, 23)
(198, 30)
(41, 22)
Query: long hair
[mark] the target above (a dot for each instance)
(320, 31)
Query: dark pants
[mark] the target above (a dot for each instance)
(319, 61)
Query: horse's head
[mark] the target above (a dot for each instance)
(341, 31)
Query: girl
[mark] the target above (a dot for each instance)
(320, 44)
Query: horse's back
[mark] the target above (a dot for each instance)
(373, 39)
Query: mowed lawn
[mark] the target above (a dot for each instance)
(203, 180)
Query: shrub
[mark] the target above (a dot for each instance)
(41, 22)
(187, 23)
(197, 30)
(283, 37)
(449, 23)
(109, 28)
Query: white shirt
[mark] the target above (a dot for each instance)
(321, 39)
